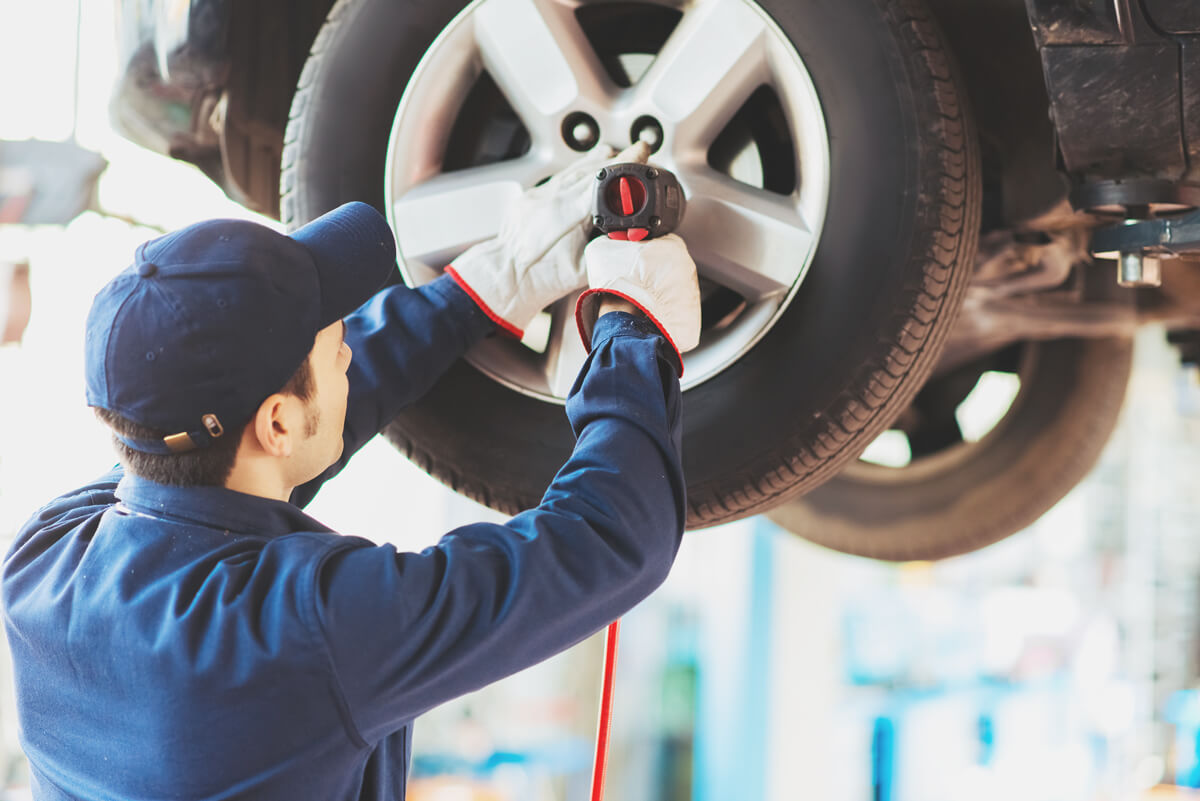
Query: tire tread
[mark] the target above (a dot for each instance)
(889, 382)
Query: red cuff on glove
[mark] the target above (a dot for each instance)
(584, 333)
(500, 322)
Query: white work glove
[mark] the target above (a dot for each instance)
(537, 257)
(656, 275)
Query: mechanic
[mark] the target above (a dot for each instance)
(181, 629)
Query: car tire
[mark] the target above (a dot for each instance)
(973, 494)
(860, 335)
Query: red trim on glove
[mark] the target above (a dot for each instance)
(504, 325)
(587, 342)
(661, 329)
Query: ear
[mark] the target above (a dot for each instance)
(272, 426)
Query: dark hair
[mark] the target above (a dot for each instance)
(203, 467)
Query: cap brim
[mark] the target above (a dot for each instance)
(354, 251)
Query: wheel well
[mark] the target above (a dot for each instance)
(995, 50)
(269, 43)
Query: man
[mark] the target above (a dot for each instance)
(180, 629)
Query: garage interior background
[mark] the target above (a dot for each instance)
(1059, 664)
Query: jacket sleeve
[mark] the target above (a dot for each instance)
(403, 340)
(408, 631)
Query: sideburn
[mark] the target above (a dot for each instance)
(312, 419)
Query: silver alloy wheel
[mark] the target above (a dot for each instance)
(755, 242)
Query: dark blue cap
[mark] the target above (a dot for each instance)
(210, 320)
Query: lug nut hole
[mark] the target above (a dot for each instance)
(649, 130)
(580, 131)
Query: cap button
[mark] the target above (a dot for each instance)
(147, 269)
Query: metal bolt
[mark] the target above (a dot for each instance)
(1134, 269)
(651, 172)
(600, 175)
(598, 221)
(585, 134)
(655, 222)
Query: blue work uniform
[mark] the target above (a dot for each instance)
(200, 643)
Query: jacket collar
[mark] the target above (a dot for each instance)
(215, 507)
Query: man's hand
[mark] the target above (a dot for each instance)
(537, 257)
(657, 276)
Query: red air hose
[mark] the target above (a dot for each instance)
(606, 696)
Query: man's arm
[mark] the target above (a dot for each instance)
(403, 340)
(402, 343)
(407, 631)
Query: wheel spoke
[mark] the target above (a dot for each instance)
(438, 219)
(540, 58)
(565, 352)
(708, 68)
(745, 239)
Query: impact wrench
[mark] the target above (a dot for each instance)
(637, 201)
(632, 202)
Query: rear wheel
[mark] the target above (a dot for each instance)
(832, 178)
(955, 483)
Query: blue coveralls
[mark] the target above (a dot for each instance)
(201, 643)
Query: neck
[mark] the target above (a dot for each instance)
(249, 477)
